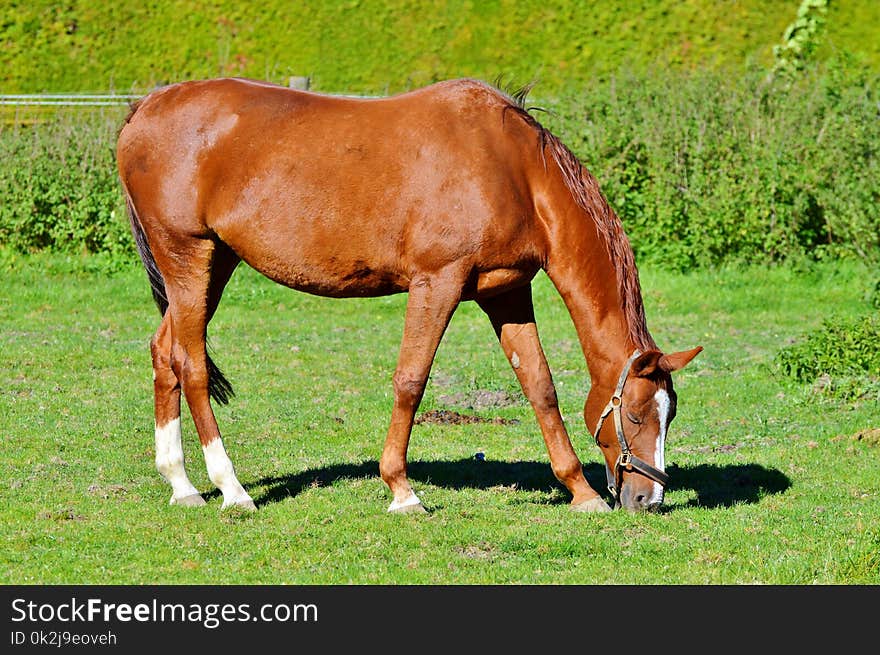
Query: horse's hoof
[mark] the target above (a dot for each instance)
(194, 500)
(593, 505)
(409, 505)
(246, 505)
(416, 508)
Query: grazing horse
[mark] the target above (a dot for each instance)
(451, 192)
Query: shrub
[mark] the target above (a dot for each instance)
(705, 169)
(841, 358)
(59, 189)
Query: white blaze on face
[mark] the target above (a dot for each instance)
(662, 400)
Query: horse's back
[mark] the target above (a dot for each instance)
(336, 195)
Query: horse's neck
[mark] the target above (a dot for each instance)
(583, 272)
(599, 321)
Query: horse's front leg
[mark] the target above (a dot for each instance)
(513, 318)
(432, 301)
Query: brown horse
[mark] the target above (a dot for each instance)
(450, 193)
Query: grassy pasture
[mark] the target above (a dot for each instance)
(771, 483)
(392, 45)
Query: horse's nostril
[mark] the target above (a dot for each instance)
(644, 502)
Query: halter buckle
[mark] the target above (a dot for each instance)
(625, 460)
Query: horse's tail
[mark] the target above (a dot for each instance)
(157, 282)
(219, 388)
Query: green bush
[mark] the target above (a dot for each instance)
(58, 187)
(841, 358)
(703, 169)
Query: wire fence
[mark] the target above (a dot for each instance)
(66, 99)
(38, 108)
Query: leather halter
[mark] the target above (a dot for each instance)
(626, 461)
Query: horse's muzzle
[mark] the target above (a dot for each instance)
(636, 500)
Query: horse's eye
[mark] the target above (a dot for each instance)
(633, 418)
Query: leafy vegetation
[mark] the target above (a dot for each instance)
(840, 358)
(704, 169)
(701, 168)
(800, 38)
(58, 188)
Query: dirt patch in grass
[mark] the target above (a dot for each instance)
(871, 436)
(65, 514)
(449, 417)
(482, 550)
(717, 448)
(479, 399)
(868, 436)
(108, 491)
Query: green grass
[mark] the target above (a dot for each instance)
(769, 482)
(392, 45)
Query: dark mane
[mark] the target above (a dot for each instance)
(586, 193)
(132, 108)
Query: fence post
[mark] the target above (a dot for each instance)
(299, 82)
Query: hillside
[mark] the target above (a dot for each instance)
(377, 47)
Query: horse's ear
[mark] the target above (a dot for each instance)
(677, 361)
(646, 364)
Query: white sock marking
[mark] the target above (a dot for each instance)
(169, 459)
(222, 474)
(412, 499)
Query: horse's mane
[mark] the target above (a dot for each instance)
(132, 108)
(586, 193)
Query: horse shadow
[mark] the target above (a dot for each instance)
(714, 485)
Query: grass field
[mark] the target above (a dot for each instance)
(770, 482)
(392, 45)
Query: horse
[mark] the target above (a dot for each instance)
(449, 193)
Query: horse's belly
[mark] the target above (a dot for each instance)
(359, 278)
(498, 280)
(331, 278)
(356, 282)
(356, 260)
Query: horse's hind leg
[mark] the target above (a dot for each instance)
(429, 307)
(194, 280)
(166, 389)
(169, 446)
(513, 318)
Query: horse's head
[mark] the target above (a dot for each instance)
(631, 421)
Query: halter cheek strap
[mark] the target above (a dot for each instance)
(626, 461)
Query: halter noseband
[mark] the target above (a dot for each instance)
(626, 460)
